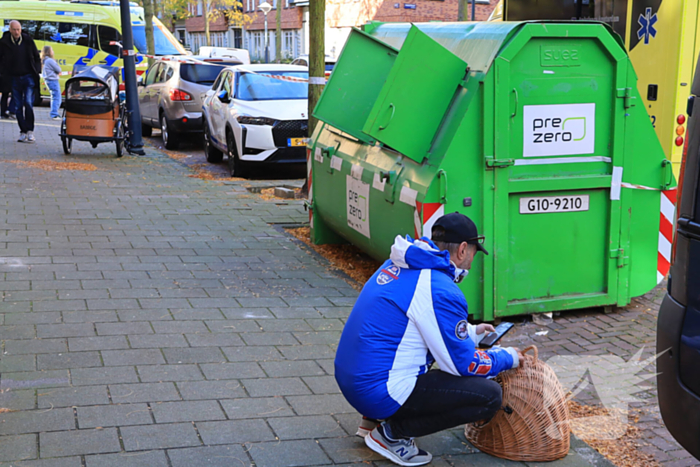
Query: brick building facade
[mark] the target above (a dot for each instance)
(341, 16)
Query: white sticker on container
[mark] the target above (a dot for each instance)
(318, 155)
(378, 183)
(356, 171)
(336, 163)
(408, 196)
(558, 130)
(358, 205)
(616, 185)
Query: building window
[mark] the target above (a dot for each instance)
(199, 8)
(237, 38)
(289, 44)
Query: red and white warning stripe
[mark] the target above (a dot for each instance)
(285, 78)
(666, 228)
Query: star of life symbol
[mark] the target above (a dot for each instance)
(647, 22)
(609, 377)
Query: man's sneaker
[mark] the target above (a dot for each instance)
(366, 425)
(402, 451)
(56, 118)
(30, 137)
(22, 138)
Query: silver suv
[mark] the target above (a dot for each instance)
(170, 95)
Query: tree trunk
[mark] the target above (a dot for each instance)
(150, 43)
(278, 31)
(317, 55)
(463, 10)
(317, 63)
(207, 8)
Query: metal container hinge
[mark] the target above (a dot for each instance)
(619, 254)
(495, 163)
(626, 94)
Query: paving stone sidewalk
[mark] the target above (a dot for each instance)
(153, 319)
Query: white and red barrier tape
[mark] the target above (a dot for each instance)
(312, 80)
(666, 228)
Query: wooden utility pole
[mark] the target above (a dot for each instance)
(317, 55)
(150, 43)
(278, 31)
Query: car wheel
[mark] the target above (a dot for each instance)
(146, 130)
(170, 140)
(234, 162)
(213, 155)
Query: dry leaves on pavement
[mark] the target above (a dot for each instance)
(48, 165)
(623, 451)
(348, 258)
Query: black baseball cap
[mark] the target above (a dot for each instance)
(459, 228)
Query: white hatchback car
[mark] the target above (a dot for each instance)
(257, 114)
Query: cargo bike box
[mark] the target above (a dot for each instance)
(93, 111)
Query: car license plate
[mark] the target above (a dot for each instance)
(294, 142)
(554, 204)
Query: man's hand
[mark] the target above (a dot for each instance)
(481, 328)
(520, 353)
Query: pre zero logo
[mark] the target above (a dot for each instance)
(558, 130)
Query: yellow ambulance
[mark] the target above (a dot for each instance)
(81, 32)
(663, 42)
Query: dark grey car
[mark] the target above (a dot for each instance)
(170, 96)
(678, 329)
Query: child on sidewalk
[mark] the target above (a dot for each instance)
(51, 71)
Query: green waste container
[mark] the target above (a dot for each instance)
(534, 130)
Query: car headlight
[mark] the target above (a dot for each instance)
(248, 120)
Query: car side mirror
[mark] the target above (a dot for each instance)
(223, 97)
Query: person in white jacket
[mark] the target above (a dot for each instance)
(51, 70)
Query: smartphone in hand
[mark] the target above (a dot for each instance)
(493, 337)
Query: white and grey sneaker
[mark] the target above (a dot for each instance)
(402, 451)
(22, 137)
(30, 137)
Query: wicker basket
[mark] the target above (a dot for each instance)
(534, 422)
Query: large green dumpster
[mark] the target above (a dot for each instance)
(534, 130)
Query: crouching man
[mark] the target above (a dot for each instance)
(409, 315)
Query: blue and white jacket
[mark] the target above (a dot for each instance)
(409, 314)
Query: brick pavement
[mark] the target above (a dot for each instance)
(153, 319)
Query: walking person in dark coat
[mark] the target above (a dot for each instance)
(19, 55)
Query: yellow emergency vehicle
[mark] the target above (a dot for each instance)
(83, 32)
(663, 42)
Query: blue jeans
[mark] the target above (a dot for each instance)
(23, 91)
(55, 89)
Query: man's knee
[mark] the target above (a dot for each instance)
(494, 395)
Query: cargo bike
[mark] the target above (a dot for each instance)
(93, 110)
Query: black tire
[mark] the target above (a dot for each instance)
(214, 156)
(235, 165)
(170, 139)
(146, 130)
(67, 145)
